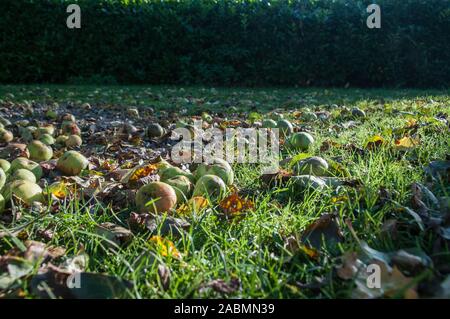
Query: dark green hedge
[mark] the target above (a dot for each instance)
(303, 42)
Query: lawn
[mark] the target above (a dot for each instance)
(389, 206)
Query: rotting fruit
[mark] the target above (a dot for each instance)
(156, 197)
(74, 141)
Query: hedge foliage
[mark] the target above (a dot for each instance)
(297, 42)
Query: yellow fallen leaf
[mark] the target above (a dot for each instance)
(374, 141)
(143, 172)
(234, 204)
(309, 251)
(165, 247)
(406, 142)
(194, 205)
(411, 123)
(59, 189)
(339, 199)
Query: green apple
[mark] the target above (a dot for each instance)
(269, 123)
(303, 182)
(47, 139)
(25, 190)
(22, 162)
(301, 141)
(314, 165)
(358, 113)
(173, 171)
(39, 151)
(2, 203)
(210, 186)
(5, 165)
(218, 167)
(72, 163)
(2, 178)
(285, 127)
(154, 130)
(23, 174)
(183, 187)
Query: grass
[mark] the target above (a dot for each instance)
(252, 249)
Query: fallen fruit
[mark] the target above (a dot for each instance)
(314, 165)
(20, 123)
(70, 128)
(269, 123)
(47, 129)
(72, 163)
(356, 112)
(2, 178)
(22, 162)
(2, 203)
(51, 114)
(74, 141)
(61, 140)
(207, 118)
(308, 181)
(309, 116)
(154, 130)
(172, 171)
(163, 164)
(301, 141)
(210, 186)
(25, 190)
(5, 136)
(276, 116)
(5, 165)
(68, 118)
(133, 112)
(39, 151)
(161, 195)
(47, 139)
(23, 174)
(182, 186)
(86, 106)
(219, 167)
(285, 127)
